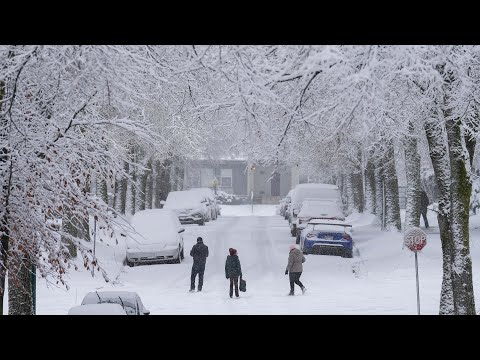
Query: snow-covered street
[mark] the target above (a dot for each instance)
(380, 279)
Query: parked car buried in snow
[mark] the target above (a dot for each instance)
(157, 238)
(212, 204)
(317, 209)
(309, 191)
(190, 206)
(129, 301)
(323, 236)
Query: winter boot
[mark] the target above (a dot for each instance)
(192, 290)
(304, 289)
(291, 293)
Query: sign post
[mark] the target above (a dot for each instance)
(415, 239)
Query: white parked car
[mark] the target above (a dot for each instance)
(318, 209)
(190, 206)
(97, 309)
(157, 238)
(309, 191)
(212, 201)
(129, 301)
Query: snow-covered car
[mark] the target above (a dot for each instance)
(97, 309)
(157, 237)
(190, 206)
(318, 209)
(323, 236)
(309, 191)
(212, 201)
(130, 301)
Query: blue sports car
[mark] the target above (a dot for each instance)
(322, 236)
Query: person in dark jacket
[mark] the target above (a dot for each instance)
(424, 202)
(199, 253)
(233, 270)
(295, 268)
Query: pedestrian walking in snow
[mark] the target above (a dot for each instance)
(295, 268)
(233, 270)
(424, 202)
(199, 253)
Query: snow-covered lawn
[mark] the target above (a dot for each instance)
(380, 279)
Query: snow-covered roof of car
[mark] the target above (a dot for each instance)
(183, 199)
(154, 226)
(312, 208)
(97, 309)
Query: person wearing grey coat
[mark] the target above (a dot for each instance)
(295, 268)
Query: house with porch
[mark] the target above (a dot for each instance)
(240, 177)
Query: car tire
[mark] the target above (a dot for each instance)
(348, 254)
(178, 260)
(182, 255)
(131, 264)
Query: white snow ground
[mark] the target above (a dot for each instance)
(380, 279)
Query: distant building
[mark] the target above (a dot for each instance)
(239, 177)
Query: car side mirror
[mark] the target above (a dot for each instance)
(146, 312)
(122, 234)
(181, 230)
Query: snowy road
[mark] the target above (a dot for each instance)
(384, 282)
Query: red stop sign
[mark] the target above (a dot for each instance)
(415, 239)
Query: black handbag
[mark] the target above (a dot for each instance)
(243, 285)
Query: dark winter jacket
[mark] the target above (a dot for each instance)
(199, 253)
(295, 260)
(424, 202)
(232, 266)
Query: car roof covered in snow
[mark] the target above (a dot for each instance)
(314, 208)
(183, 199)
(154, 226)
(97, 309)
(317, 191)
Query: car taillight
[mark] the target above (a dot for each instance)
(347, 237)
(311, 236)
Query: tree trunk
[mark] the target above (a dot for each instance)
(357, 187)
(370, 188)
(441, 166)
(460, 191)
(131, 191)
(143, 188)
(154, 180)
(392, 213)
(165, 185)
(20, 296)
(379, 186)
(149, 186)
(102, 190)
(349, 192)
(123, 189)
(414, 186)
(4, 175)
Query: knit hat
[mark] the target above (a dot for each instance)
(199, 239)
(232, 251)
(292, 246)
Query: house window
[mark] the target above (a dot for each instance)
(226, 178)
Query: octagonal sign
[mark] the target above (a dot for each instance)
(415, 239)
